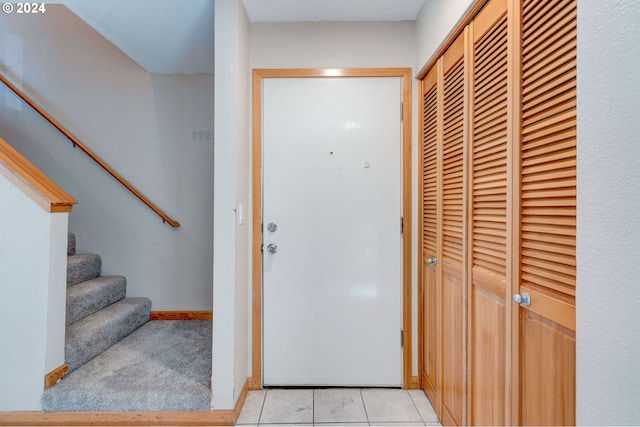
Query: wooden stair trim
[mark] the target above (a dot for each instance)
(181, 315)
(32, 181)
(56, 375)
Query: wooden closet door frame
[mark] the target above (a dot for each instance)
(512, 315)
(257, 77)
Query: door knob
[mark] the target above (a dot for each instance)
(272, 227)
(432, 260)
(522, 299)
(272, 248)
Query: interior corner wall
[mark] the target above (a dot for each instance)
(608, 240)
(230, 243)
(143, 126)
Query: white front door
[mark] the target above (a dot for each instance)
(332, 289)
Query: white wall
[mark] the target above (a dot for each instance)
(32, 307)
(231, 187)
(141, 124)
(608, 297)
(332, 45)
(436, 21)
(243, 205)
(57, 293)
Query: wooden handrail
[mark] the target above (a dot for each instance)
(91, 154)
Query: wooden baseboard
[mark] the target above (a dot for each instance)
(188, 418)
(240, 402)
(181, 315)
(192, 418)
(255, 383)
(54, 376)
(415, 383)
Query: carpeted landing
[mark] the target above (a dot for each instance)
(163, 366)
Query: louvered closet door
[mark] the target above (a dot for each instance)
(548, 206)
(430, 292)
(453, 289)
(488, 296)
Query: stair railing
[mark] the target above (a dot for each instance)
(32, 181)
(91, 154)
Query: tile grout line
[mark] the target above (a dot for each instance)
(366, 414)
(313, 407)
(437, 420)
(264, 399)
(416, 406)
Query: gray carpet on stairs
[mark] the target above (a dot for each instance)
(91, 335)
(82, 267)
(88, 297)
(163, 366)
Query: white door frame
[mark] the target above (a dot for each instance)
(258, 76)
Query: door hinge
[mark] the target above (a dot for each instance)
(401, 111)
(262, 247)
(401, 338)
(401, 225)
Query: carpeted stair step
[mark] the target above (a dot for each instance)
(93, 334)
(93, 295)
(71, 244)
(83, 267)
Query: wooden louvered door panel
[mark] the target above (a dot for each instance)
(499, 212)
(453, 248)
(548, 212)
(430, 293)
(488, 295)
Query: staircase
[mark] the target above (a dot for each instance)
(98, 313)
(120, 361)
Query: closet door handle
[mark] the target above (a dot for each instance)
(522, 299)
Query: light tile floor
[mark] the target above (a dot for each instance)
(350, 407)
